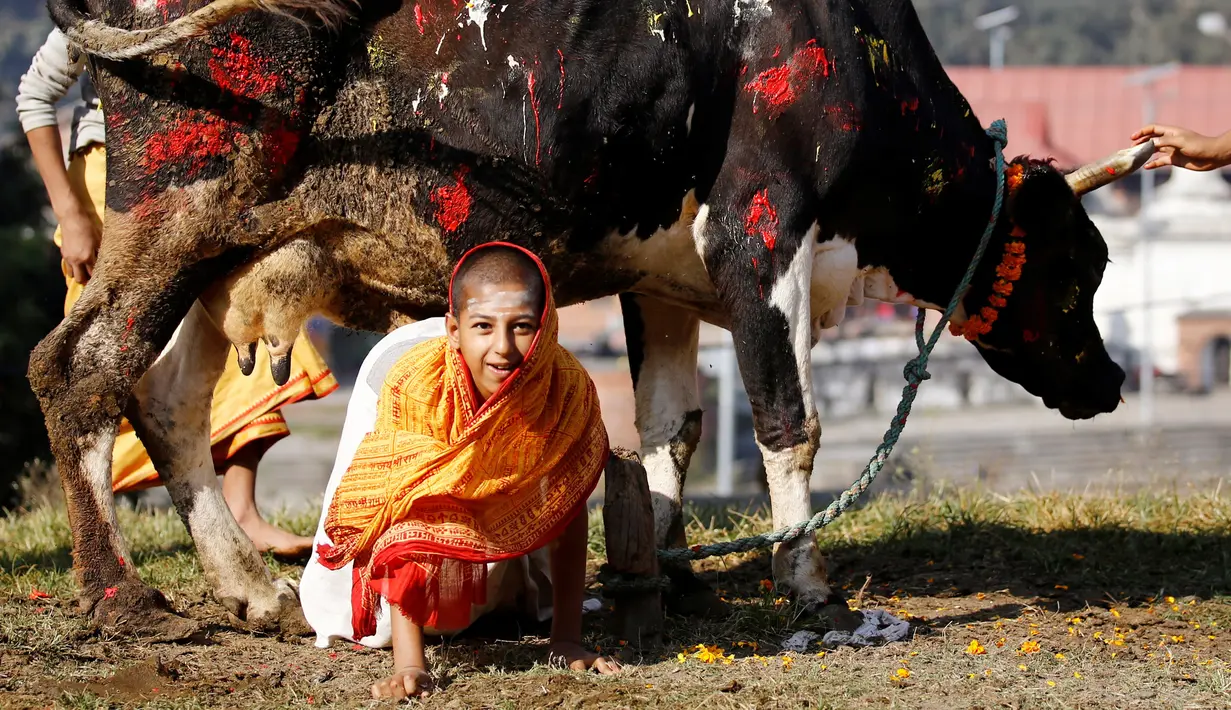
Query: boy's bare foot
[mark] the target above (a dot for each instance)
(576, 658)
(270, 538)
(239, 490)
(411, 681)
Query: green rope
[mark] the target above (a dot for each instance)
(915, 372)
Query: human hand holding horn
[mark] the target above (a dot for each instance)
(1092, 176)
(1184, 148)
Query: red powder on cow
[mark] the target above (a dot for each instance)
(237, 71)
(190, 142)
(761, 219)
(419, 18)
(534, 106)
(168, 7)
(780, 86)
(560, 103)
(280, 145)
(848, 119)
(910, 105)
(453, 203)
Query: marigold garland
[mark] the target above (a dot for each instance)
(1007, 271)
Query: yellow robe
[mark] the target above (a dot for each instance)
(245, 409)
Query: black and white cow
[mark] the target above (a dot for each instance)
(750, 163)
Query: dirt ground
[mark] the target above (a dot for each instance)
(1026, 602)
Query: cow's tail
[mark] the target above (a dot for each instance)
(99, 39)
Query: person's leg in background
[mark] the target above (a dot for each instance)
(239, 490)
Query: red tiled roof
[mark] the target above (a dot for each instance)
(1081, 113)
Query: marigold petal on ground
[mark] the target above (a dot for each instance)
(975, 648)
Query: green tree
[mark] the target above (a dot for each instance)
(32, 295)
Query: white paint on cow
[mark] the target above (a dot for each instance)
(666, 392)
(751, 9)
(443, 90)
(688, 121)
(513, 64)
(478, 10)
(441, 42)
(655, 28)
(414, 104)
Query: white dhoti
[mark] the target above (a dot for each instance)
(520, 584)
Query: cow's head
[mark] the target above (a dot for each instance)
(1031, 303)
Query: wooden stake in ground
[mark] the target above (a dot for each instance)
(628, 518)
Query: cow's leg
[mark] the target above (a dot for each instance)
(662, 353)
(760, 259)
(84, 372)
(171, 414)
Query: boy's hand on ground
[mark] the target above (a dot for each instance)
(1182, 148)
(404, 683)
(576, 658)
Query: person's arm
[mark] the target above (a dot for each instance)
(48, 80)
(80, 234)
(1184, 148)
(568, 586)
(410, 672)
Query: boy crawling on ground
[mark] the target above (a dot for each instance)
(483, 448)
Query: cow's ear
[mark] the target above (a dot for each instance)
(1041, 202)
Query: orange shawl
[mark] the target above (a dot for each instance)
(441, 486)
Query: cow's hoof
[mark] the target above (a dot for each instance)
(137, 610)
(690, 596)
(278, 613)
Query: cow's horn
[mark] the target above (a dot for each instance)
(1092, 176)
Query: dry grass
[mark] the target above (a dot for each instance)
(1126, 598)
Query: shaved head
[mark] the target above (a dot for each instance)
(498, 265)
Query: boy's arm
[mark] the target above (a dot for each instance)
(410, 673)
(52, 73)
(568, 584)
(1185, 149)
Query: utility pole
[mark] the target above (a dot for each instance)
(996, 24)
(1146, 79)
(728, 371)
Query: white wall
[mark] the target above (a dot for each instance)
(1187, 273)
